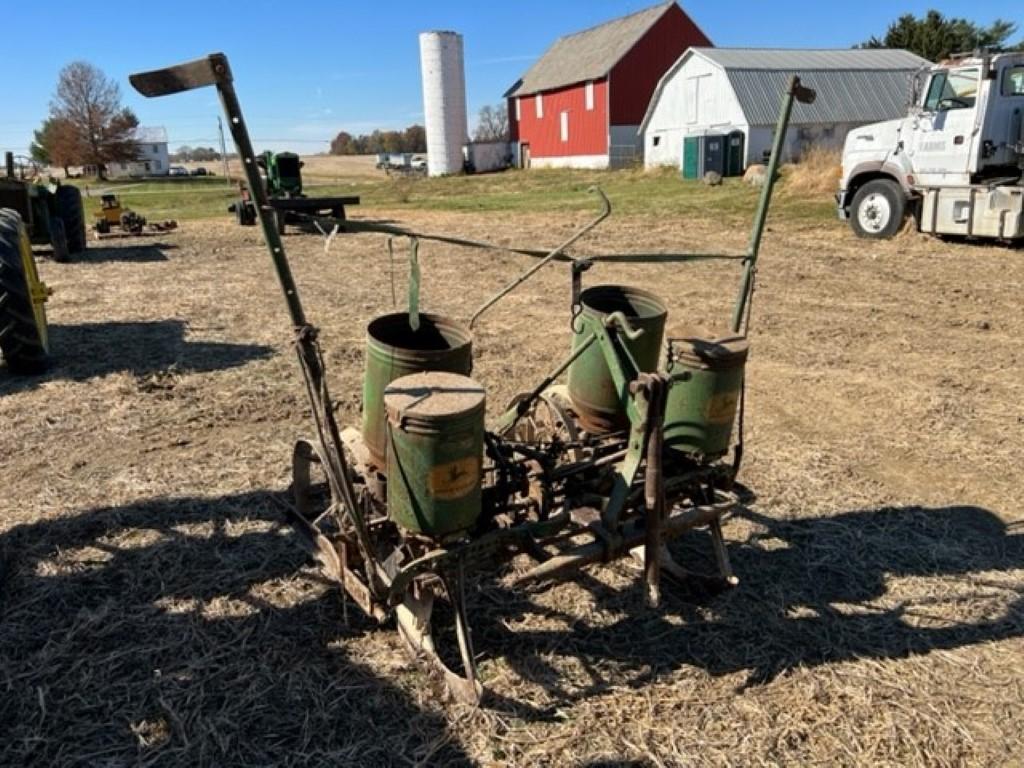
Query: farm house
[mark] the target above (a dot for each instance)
(581, 103)
(153, 156)
(715, 107)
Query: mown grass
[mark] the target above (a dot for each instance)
(630, 192)
(182, 198)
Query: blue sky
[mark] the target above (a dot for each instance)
(355, 66)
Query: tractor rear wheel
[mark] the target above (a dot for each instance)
(59, 240)
(72, 213)
(24, 337)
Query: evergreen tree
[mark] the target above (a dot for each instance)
(936, 37)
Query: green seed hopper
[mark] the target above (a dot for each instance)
(630, 453)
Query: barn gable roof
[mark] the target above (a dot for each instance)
(853, 85)
(588, 55)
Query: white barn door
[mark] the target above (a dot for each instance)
(691, 99)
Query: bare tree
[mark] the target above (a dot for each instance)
(56, 143)
(415, 138)
(90, 102)
(492, 124)
(343, 144)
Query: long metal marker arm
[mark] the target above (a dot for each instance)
(606, 209)
(804, 95)
(214, 70)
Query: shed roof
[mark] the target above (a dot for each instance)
(589, 54)
(819, 58)
(853, 85)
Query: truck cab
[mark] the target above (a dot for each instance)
(954, 162)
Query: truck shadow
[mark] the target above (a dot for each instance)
(183, 630)
(89, 350)
(813, 591)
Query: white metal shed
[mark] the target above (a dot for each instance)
(721, 90)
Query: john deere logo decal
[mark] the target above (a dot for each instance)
(454, 479)
(722, 407)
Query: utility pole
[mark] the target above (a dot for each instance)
(223, 151)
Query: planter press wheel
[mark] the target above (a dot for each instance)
(549, 419)
(415, 611)
(305, 517)
(414, 619)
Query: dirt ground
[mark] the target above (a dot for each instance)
(155, 611)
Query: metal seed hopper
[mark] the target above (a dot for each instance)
(634, 449)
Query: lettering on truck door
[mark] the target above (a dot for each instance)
(944, 134)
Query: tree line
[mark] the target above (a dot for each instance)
(412, 139)
(936, 37)
(187, 154)
(492, 125)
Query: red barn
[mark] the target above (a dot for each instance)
(581, 104)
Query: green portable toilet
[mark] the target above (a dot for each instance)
(691, 157)
(735, 153)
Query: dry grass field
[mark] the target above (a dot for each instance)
(155, 610)
(316, 168)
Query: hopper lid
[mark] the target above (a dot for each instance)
(432, 395)
(708, 349)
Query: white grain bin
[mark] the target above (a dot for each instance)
(444, 100)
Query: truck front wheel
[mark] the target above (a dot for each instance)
(878, 210)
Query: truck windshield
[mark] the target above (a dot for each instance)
(952, 89)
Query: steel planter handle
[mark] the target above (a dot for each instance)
(209, 70)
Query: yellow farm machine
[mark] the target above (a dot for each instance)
(112, 215)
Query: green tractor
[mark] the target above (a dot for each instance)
(284, 173)
(52, 213)
(282, 181)
(32, 214)
(24, 337)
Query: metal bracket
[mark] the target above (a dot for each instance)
(579, 266)
(606, 209)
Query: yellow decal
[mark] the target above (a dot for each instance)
(454, 479)
(721, 408)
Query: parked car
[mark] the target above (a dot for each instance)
(177, 170)
(200, 171)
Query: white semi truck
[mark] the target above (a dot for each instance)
(955, 162)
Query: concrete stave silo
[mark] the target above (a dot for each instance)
(444, 100)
